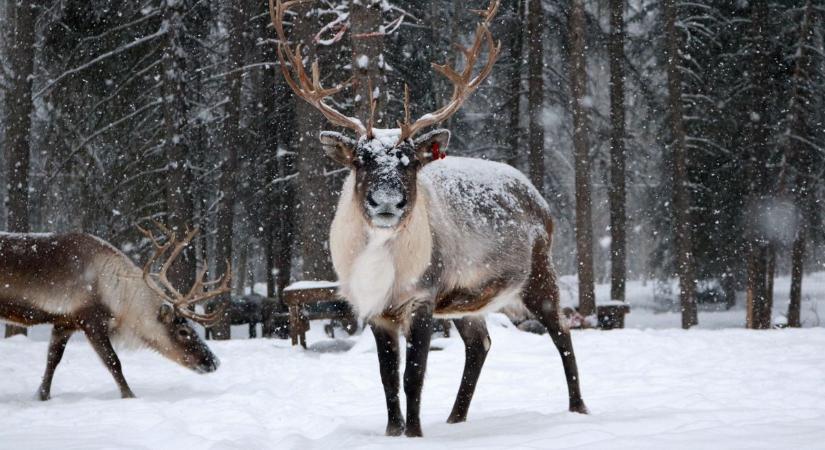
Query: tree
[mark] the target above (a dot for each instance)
(516, 48)
(367, 41)
(584, 224)
(313, 193)
(681, 195)
(618, 218)
(760, 251)
(801, 157)
(229, 168)
(535, 96)
(176, 145)
(20, 17)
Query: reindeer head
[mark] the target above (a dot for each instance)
(385, 161)
(179, 341)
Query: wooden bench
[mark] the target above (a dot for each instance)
(315, 300)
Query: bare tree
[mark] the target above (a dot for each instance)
(367, 40)
(681, 195)
(229, 168)
(20, 49)
(760, 276)
(618, 217)
(801, 158)
(535, 96)
(516, 48)
(584, 221)
(175, 106)
(313, 194)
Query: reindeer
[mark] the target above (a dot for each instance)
(417, 236)
(79, 282)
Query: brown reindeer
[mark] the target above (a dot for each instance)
(417, 236)
(79, 282)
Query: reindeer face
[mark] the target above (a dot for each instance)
(186, 347)
(385, 170)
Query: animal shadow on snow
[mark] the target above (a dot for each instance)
(332, 346)
(484, 427)
(166, 393)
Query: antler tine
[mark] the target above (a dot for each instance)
(177, 297)
(225, 279)
(147, 268)
(488, 13)
(308, 89)
(203, 319)
(464, 83)
(405, 126)
(373, 103)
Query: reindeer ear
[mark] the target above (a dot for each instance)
(166, 313)
(432, 145)
(338, 147)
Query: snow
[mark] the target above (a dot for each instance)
(651, 310)
(307, 285)
(483, 189)
(650, 386)
(645, 389)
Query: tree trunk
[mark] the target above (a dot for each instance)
(315, 202)
(229, 169)
(273, 212)
(367, 58)
(243, 271)
(20, 51)
(584, 224)
(797, 266)
(759, 304)
(681, 195)
(618, 218)
(535, 96)
(802, 163)
(516, 40)
(179, 183)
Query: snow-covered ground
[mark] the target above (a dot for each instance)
(650, 386)
(729, 388)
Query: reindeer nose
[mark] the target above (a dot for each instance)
(384, 201)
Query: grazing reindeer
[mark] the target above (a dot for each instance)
(416, 236)
(79, 282)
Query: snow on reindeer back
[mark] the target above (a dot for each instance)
(497, 194)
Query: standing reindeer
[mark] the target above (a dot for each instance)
(79, 282)
(417, 236)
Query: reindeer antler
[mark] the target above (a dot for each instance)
(464, 83)
(161, 285)
(310, 89)
(306, 88)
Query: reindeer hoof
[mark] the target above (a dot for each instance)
(127, 394)
(394, 429)
(455, 418)
(43, 395)
(413, 431)
(578, 407)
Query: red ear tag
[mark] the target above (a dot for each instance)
(437, 153)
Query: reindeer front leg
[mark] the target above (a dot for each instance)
(418, 348)
(386, 342)
(99, 339)
(60, 336)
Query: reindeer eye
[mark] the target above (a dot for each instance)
(184, 333)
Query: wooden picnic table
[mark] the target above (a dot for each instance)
(315, 300)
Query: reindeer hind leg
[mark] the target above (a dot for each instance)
(541, 297)
(473, 331)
